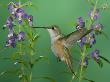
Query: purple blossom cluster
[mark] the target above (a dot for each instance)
(80, 23)
(95, 55)
(90, 39)
(17, 16)
(85, 62)
(94, 14)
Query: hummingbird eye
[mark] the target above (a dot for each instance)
(53, 28)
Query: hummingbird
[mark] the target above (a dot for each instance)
(60, 44)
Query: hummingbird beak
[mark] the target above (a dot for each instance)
(42, 27)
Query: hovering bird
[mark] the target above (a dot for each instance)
(60, 44)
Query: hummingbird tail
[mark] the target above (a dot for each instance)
(69, 64)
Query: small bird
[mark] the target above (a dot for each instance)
(60, 44)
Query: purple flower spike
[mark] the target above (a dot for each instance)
(17, 14)
(21, 36)
(80, 23)
(94, 14)
(95, 54)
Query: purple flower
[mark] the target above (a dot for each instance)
(95, 55)
(20, 10)
(83, 41)
(97, 27)
(21, 36)
(20, 21)
(30, 20)
(18, 4)
(80, 23)
(11, 40)
(9, 23)
(25, 16)
(12, 8)
(19, 14)
(85, 62)
(94, 14)
(89, 40)
(10, 33)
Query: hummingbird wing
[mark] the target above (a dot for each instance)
(73, 37)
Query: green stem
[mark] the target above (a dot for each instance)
(21, 58)
(94, 11)
(83, 54)
(31, 54)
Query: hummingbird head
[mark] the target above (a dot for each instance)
(54, 31)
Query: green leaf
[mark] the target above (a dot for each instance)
(31, 47)
(92, 2)
(35, 37)
(104, 59)
(29, 3)
(88, 79)
(29, 35)
(104, 34)
(11, 71)
(41, 58)
(37, 60)
(51, 79)
(23, 77)
(100, 63)
(23, 62)
(3, 73)
(105, 6)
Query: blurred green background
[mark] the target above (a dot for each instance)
(61, 13)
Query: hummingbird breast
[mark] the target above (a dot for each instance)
(58, 49)
(62, 52)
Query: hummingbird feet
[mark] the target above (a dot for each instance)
(58, 59)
